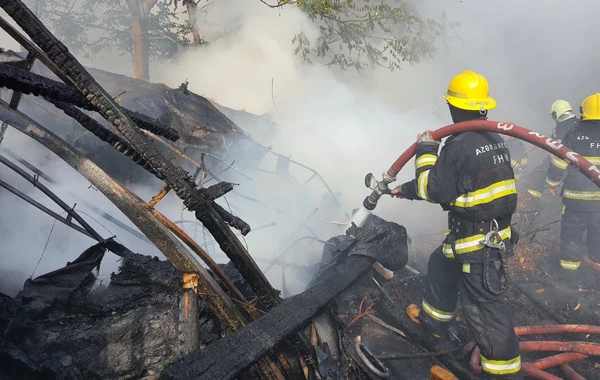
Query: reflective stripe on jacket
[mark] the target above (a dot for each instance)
(472, 177)
(538, 177)
(578, 192)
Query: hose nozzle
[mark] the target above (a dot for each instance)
(379, 188)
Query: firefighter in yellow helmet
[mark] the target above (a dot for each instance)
(562, 113)
(473, 179)
(580, 224)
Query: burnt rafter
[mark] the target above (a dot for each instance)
(176, 178)
(220, 304)
(64, 98)
(104, 134)
(27, 82)
(72, 72)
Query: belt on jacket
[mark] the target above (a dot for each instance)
(465, 236)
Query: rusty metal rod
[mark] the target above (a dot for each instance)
(159, 196)
(202, 254)
(249, 308)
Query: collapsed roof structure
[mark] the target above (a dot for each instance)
(189, 317)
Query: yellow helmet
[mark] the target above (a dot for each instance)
(590, 107)
(559, 107)
(470, 91)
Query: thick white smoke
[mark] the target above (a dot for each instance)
(342, 124)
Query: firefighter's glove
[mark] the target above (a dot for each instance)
(553, 190)
(426, 138)
(397, 193)
(407, 190)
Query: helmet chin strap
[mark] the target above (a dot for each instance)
(459, 115)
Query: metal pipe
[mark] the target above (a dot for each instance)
(51, 195)
(158, 197)
(29, 166)
(44, 209)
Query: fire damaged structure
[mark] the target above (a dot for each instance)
(189, 317)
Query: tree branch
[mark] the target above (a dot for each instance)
(279, 5)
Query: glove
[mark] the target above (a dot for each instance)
(397, 193)
(426, 137)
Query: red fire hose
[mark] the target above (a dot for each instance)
(558, 360)
(586, 348)
(555, 148)
(530, 370)
(572, 351)
(594, 265)
(574, 159)
(577, 351)
(509, 129)
(570, 373)
(556, 329)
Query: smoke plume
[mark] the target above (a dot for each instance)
(343, 124)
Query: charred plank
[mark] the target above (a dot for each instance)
(230, 356)
(105, 135)
(220, 304)
(28, 83)
(176, 178)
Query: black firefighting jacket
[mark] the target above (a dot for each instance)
(538, 177)
(578, 192)
(473, 179)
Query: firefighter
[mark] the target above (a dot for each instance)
(473, 179)
(562, 113)
(580, 196)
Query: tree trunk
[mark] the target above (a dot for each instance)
(140, 10)
(192, 8)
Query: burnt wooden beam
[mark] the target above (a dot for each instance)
(232, 355)
(131, 206)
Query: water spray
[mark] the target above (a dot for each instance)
(379, 188)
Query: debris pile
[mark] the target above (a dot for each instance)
(64, 325)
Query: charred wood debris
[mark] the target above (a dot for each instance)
(177, 319)
(59, 327)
